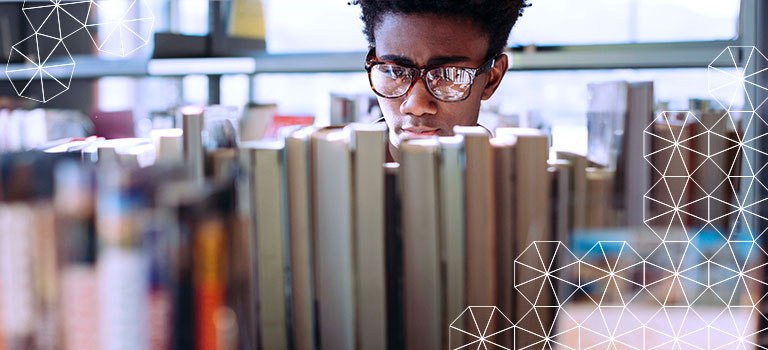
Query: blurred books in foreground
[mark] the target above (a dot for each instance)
(217, 235)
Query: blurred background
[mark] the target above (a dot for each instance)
(298, 53)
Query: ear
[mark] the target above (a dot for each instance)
(495, 75)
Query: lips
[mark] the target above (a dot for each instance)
(420, 131)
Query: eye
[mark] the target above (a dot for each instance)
(398, 71)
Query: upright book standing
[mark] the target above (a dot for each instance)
(452, 228)
(532, 214)
(333, 241)
(271, 222)
(298, 158)
(481, 217)
(367, 143)
(634, 170)
(504, 158)
(421, 244)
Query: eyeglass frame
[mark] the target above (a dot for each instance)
(370, 62)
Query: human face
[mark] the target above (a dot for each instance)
(422, 40)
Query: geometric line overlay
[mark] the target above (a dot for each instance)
(700, 284)
(48, 64)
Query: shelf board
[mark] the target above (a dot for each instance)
(625, 56)
(86, 67)
(619, 56)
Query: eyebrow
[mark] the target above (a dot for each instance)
(434, 61)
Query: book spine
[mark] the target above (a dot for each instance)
(504, 155)
(271, 245)
(246, 220)
(421, 247)
(192, 122)
(452, 228)
(370, 266)
(533, 220)
(300, 228)
(158, 239)
(45, 277)
(636, 173)
(394, 248)
(73, 201)
(209, 284)
(122, 295)
(333, 243)
(15, 276)
(481, 221)
(79, 288)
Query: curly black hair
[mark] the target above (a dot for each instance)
(493, 17)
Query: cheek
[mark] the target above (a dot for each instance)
(391, 110)
(463, 113)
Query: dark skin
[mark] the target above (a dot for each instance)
(423, 40)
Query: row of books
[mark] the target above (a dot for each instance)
(308, 242)
(22, 129)
(697, 153)
(196, 238)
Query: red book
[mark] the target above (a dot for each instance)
(209, 286)
(279, 121)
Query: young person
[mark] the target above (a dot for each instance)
(431, 62)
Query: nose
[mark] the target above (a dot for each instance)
(419, 101)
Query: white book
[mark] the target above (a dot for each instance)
(333, 241)
(421, 244)
(368, 145)
(481, 217)
(452, 220)
(298, 161)
(271, 223)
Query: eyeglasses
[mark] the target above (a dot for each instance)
(447, 84)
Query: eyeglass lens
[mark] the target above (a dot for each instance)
(445, 83)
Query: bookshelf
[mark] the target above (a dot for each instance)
(616, 56)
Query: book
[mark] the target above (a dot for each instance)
(272, 243)
(255, 119)
(354, 108)
(394, 248)
(246, 237)
(712, 175)
(246, 20)
(451, 167)
(504, 162)
(208, 281)
(221, 163)
(45, 257)
(299, 181)
(532, 214)
(633, 173)
(606, 114)
(283, 121)
(560, 171)
(600, 213)
(578, 202)
(333, 242)
(671, 161)
(481, 217)
(194, 158)
(169, 145)
(421, 244)
(16, 266)
(220, 127)
(368, 144)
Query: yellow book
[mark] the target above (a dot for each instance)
(246, 19)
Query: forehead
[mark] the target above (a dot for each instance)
(420, 37)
